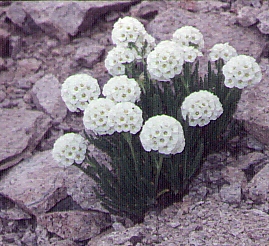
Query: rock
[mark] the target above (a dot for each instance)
(112, 16)
(119, 237)
(253, 108)
(258, 187)
(23, 131)
(16, 14)
(212, 6)
(42, 235)
(147, 9)
(19, 16)
(247, 16)
(75, 225)
(46, 94)
(38, 183)
(25, 67)
(263, 26)
(14, 214)
(99, 72)
(2, 96)
(87, 55)
(2, 64)
(29, 238)
(15, 45)
(252, 163)
(66, 242)
(64, 19)
(234, 175)
(4, 43)
(256, 3)
(231, 193)
(254, 144)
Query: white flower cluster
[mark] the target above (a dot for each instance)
(190, 53)
(241, 71)
(96, 116)
(201, 107)
(78, 90)
(122, 89)
(165, 61)
(189, 36)
(68, 149)
(164, 134)
(125, 117)
(117, 58)
(223, 51)
(127, 30)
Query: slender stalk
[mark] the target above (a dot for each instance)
(158, 171)
(128, 137)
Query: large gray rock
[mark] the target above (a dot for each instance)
(247, 16)
(46, 95)
(61, 19)
(89, 53)
(253, 107)
(21, 132)
(258, 187)
(263, 17)
(75, 225)
(148, 9)
(38, 183)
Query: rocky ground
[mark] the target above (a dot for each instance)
(41, 44)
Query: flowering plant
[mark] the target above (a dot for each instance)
(157, 118)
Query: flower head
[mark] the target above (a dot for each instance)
(78, 90)
(165, 61)
(68, 149)
(96, 116)
(127, 30)
(223, 51)
(117, 57)
(201, 107)
(164, 134)
(241, 71)
(190, 53)
(189, 36)
(122, 89)
(125, 117)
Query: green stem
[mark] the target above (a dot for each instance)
(128, 137)
(158, 171)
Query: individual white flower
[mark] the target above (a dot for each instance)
(223, 51)
(125, 117)
(165, 61)
(189, 36)
(201, 107)
(117, 57)
(127, 30)
(122, 89)
(241, 71)
(191, 53)
(164, 134)
(68, 149)
(96, 116)
(78, 90)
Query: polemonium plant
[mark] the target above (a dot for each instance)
(157, 118)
